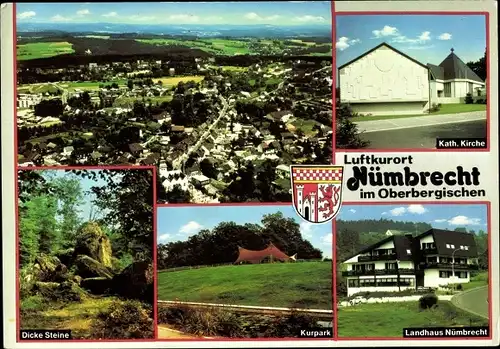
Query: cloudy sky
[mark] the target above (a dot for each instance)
(427, 38)
(179, 223)
(442, 216)
(276, 13)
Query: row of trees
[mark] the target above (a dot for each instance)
(220, 244)
(50, 206)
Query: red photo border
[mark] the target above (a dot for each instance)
(488, 88)
(490, 308)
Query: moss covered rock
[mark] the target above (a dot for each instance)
(87, 267)
(48, 269)
(45, 289)
(98, 285)
(66, 291)
(69, 292)
(92, 242)
(66, 256)
(135, 282)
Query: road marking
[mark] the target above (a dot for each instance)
(417, 126)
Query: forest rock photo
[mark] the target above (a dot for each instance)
(93, 276)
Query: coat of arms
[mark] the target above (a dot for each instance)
(316, 191)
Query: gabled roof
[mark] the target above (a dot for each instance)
(401, 244)
(455, 68)
(376, 48)
(436, 71)
(456, 238)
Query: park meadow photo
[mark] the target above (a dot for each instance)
(86, 253)
(242, 272)
(406, 80)
(411, 266)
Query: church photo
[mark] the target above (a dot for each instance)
(407, 80)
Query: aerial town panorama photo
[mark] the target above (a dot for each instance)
(221, 97)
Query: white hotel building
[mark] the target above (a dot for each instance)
(432, 259)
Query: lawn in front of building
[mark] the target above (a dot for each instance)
(389, 319)
(444, 109)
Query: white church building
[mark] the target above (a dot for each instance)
(386, 81)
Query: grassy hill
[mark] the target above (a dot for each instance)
(301, 285)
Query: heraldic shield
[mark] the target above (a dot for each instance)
(316, 191)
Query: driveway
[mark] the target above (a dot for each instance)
(418, 121)
(423, 137)
(474, 301)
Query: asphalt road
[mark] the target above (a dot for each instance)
(474, 301)
(423, 136)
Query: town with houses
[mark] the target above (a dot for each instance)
(216, 132)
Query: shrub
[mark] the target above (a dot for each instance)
(347, 134)
(468, 99)
(428, 301)
(124, 320)
(434, 108)
(460, 287)
(36, 302)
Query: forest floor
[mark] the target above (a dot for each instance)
(77, 316)
(294, 285)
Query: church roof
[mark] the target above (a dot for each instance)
(454, 68)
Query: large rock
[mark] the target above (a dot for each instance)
(66, 256)
(48, 269)
(87, 267)
(135, 282)
(66, 291)
(45, 289)
(69, 291)
(92, 242)
(99, 285)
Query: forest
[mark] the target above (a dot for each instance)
(90, 274)
(220, 245)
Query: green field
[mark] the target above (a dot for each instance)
(37, 88)
(43, 50)
(305, 125)
(444, 109)
(129, 101)
(301, 285)
(389, 319)
(170, 81)
(214, 46)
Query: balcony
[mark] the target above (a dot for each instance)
(456, 266)
(430, 251)
(378, 272)
(384, 257)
